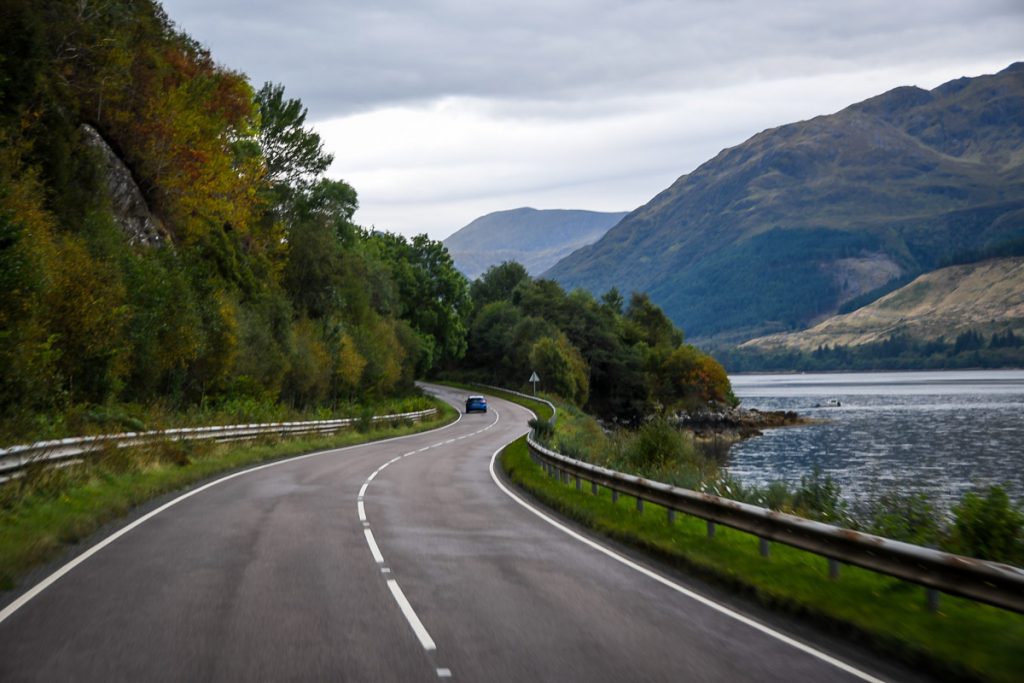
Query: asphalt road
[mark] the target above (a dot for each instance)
(401, 560)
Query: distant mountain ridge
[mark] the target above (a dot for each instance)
(535, 238)
(774, 234)
(987, 297)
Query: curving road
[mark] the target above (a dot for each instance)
(403, 560)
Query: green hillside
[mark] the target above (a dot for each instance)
(781, 230)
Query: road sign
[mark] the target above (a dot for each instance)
(534, 379)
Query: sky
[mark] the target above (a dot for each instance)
(441, 111)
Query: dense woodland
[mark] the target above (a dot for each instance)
(618, 360)
(264, 288)
(262, 291)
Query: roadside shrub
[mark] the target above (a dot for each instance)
(542, 429)
(911, 518)
(777, 495)
(989, 527)
(656, 444)
(364, 422)
(820, 497)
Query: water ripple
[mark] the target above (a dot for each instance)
(941, 433)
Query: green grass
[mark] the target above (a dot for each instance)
(963, 640)
(49, 509)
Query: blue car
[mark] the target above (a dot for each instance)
(476, 404)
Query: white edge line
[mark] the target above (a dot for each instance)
(374, 550)
(362, 490)
(410, 615)
(680, 589)
(362, 511)
(27, 596)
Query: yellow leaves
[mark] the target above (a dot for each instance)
(178, 118)
(308, 378)
(84, 306)
(349, 364)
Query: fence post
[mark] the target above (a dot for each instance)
(932, 596)
(593, 487)
(765, 547)
(671, 516)
(615, 496)
(579, 483)
(833, 569)
(639, 504)
(711, 529)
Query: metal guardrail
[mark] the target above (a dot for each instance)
(15, 458)
(988, 582)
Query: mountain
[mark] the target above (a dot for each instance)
(535, 238)
(776, 233)
(987, 297)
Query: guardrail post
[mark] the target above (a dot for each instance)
(977, 580)
(579, 483)
(593, 487)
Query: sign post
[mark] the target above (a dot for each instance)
(534, 379)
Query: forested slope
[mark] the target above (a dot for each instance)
(254, 283)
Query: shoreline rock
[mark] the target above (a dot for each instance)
(737, 424)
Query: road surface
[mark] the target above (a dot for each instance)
(402, 560)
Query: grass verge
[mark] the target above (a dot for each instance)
(964, 640)
(49, 509)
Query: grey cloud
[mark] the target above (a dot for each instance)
(345, 57)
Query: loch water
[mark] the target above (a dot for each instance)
(942, 433)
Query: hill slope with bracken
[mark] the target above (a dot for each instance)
(986, 297)
(535, 238)
(776, 233)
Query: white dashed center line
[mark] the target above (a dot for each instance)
(374, 550)
(396, 591)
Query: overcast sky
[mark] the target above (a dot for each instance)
(441, 111)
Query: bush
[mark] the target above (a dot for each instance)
(542, 429)
(656, 445)
(820, 498)
(911, 518)
(989, 527)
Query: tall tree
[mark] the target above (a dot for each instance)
(434, 295)
(293, 153)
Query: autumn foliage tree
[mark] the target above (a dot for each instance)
(264, 290)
